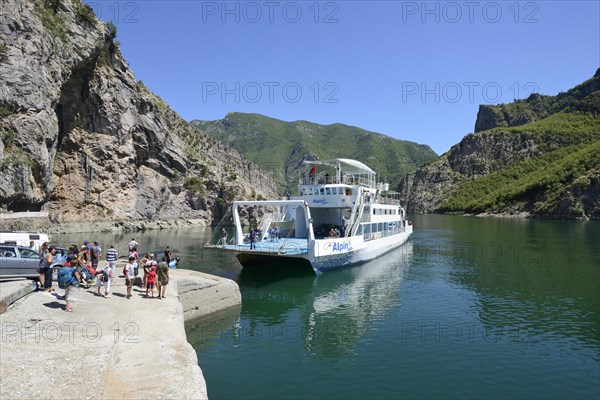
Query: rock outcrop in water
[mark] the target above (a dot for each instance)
(82, 139)
(537, 157)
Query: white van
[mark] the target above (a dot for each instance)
(24, 239)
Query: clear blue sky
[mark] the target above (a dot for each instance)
(413, 70)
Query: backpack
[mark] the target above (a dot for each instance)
(104, 276)
(66, 276)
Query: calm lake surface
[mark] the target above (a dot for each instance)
(468, 308)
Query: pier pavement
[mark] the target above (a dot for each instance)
(108, 348)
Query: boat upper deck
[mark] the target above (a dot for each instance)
(338, 171)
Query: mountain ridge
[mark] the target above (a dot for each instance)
(296, 141)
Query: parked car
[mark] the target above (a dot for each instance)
(22, 262)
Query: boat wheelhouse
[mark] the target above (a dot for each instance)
(340, 216)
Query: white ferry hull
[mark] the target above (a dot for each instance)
(323, 255)
(359, 252)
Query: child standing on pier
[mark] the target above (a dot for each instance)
(151, 278)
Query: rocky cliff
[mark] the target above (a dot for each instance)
(538, 158)
(82, 139)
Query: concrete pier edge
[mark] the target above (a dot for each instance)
(111, 348)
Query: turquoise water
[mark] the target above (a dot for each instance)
(468, 308)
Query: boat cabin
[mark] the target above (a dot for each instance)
(334, 191)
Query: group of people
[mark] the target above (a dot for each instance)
(81, 270)
(334, 232)
(156, 274)
(256, 235)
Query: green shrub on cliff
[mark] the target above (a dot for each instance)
(51, 18)
(112, 29)
(195, 184)
(5, 112)
(562, 123)
(13, 154)
(552, 174)
(86, 13)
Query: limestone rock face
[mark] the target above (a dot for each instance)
(84, 140)
(474, 156)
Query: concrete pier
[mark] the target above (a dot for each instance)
(115, 348)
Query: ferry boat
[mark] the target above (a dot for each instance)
(339, 217)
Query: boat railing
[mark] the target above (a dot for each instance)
(265, 225)
(387, 201)
(285, 241)
(217, 231)
(352, 220)
(323, 178)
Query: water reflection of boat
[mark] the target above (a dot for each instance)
(330, 312)
(354, 305)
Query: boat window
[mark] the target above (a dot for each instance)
(348, 192)
(328, 190)
(367, 232)
(322, 190)
(373, 211)
(334, 190)
(380, 227)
